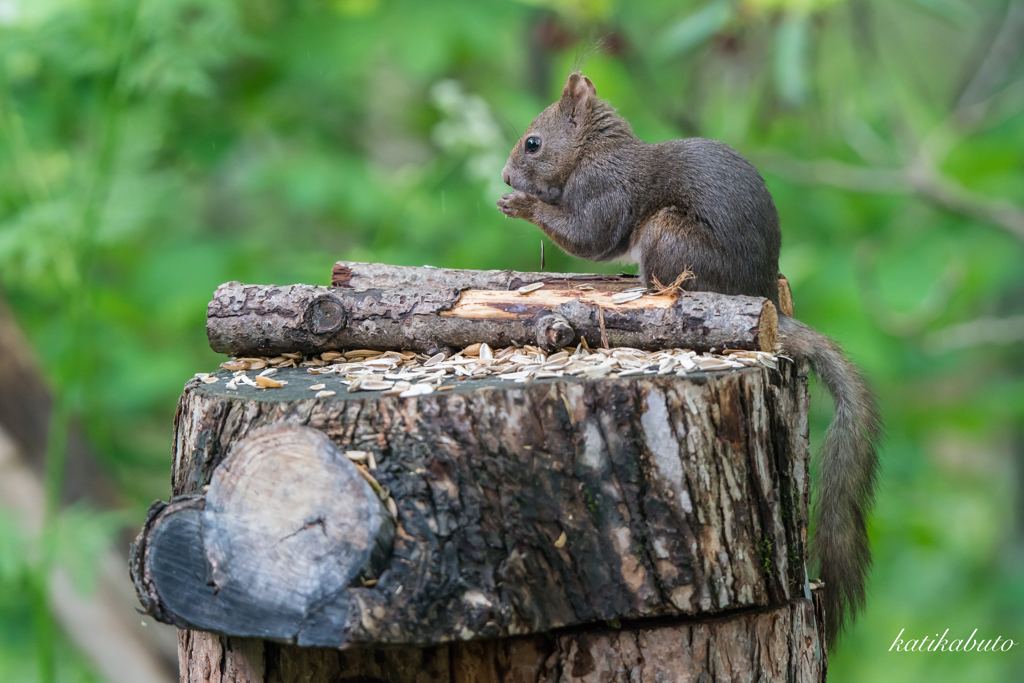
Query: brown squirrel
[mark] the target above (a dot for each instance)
(601, 193)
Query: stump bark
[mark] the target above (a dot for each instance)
(769, 646)
(563, 529)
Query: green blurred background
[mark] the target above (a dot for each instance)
(153, 149)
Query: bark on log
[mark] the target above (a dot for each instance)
(260, 320)
(779, 645)
(529, 507)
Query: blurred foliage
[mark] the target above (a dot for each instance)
(150, 150)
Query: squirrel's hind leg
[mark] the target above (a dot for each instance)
(674, 240)
(669, 243)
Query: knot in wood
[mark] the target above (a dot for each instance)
(324, 315)
(554, 332)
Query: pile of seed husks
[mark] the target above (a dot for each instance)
(408, 373)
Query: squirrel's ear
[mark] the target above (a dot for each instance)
(575, 93)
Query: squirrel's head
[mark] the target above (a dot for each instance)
(543, 159)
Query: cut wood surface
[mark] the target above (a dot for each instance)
(287, 523)
(261, 320)
(784, 644)
(521, 508)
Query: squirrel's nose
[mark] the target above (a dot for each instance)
(506, 178)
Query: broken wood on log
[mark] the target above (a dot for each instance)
(358, 275)
(288, 522)
(522, 508)
(783, 644)
(261, 320)
(785, 297)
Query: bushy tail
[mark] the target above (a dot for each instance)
(848, 471)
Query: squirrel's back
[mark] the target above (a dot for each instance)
(725, 197)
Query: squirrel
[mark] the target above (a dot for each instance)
(600, 193)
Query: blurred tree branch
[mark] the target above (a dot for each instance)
(920, 178)
(976, 333)
(904, 323)
(1004, 50)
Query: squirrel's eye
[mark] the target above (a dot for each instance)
(532, 144)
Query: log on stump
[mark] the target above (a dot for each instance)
(521, 508)
(268, 320)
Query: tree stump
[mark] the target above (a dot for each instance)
(562, 529)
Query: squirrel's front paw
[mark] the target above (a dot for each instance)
(517, 204)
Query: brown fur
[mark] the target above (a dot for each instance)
(601, 193)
